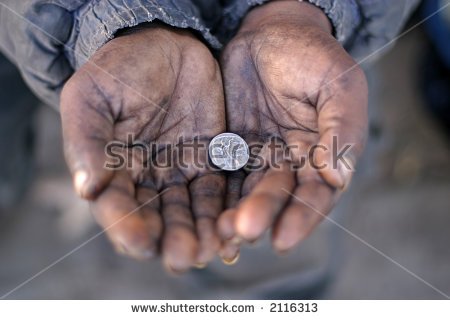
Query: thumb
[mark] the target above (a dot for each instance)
(87, 128)
(343, 123)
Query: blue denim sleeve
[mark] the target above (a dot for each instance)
(96, 22)
(32, 35)
(344, 15)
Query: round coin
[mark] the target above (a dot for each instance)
(229, 152)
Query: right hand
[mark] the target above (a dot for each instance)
(159, 84)
(289, 83)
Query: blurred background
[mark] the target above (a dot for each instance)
(400, 198)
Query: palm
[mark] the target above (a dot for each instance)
(261, 100)
(286, 80)
(159, 87)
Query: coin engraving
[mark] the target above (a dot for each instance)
(229, 152)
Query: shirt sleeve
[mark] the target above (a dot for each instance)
(344, 15)
(363, 27)
(96, 22)
(49, 40)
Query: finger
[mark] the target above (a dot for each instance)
(256, 213)
(251, 181)
(87, 128)
(229, 252)
(238, 189)
(311, 201)
(267, 155)
(207, 196)
(227, 220)
(225, 224)
(119, 214)
(234, 186)
(342, 119)
(150, 213)
(180, 244)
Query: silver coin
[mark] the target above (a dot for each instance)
(229, 152)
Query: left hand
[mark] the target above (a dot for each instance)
(162, 87)
(287, 77)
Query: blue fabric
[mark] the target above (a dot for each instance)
(438, 29)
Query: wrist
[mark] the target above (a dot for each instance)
(154, 27)
(138, 28)
(287, 11)
(145, 32)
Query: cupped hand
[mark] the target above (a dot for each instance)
(289, 82)
(163, 88)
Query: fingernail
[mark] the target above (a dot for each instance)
(282, 252)
(200, 265)
(172, 270)
(120, 249)
(254, 242)
(278, 246)
(143, 254)
(236, 240)
(232, 261)
(281, 246)
(80, 179)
